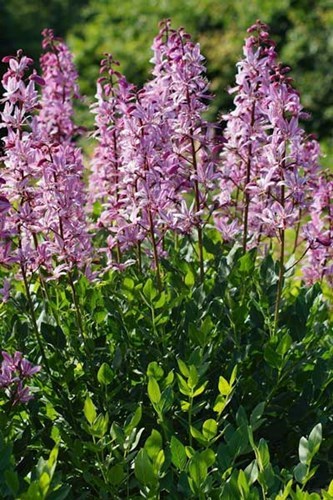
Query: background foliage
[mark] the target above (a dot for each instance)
(302, 29)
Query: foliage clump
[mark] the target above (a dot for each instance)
(176, 304)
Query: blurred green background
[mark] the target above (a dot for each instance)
(303, 30)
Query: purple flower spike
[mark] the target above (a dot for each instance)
(269, 164)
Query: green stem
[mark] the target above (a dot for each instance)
(33, 318)
(281, 268)
(155, 252)
(139, 255)
(190, 421)
(100, 461)
(77, 310)
(297, 230)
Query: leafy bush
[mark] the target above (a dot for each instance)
(168, 357)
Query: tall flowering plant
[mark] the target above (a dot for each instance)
(180, 77)
(155, 147)
(45, 227)
(21, 172)
(115, 99)
(43, 168)
(62, 190)
(269, 165)
(268, 162)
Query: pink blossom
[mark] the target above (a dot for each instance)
(268, 162)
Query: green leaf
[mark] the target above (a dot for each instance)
(284, 344)
(128, 283)
(246, 263)
(154, 392)
(300, 472)
(44, 483)
(12, 481)
(183, 368)
(52, 460)
(330, 488)
(190, 278)
(241, 417)
(133, 439)
(183, 387)
(263, 453)
(154, 370)
(198, 435)
(169, 378)
(149, 290)
(198, 469)
(272, 357)
(161, 301)
(159, 461)
(89, 410)
(315, 439)
(193, 377)
(117, 434)
(242, 484)
(220, 404)
(209, 429)
(224, 387)
(100, 426)
(185, 405)
(105, 374)
(252, 472)
(257, 413)
(303, 451)
(233, 375)
(178, 454)
(143, 469)
(153, 444)
(190, 452)
(285, 493)
(135, 420)
(116, 475)
(200, 389)
(208, 456)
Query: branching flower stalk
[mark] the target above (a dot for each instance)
(247, 181)
(62, 167)
(281, 265)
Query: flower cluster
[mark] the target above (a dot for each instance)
(159, 167)
(45, 227)
(318, 233)
(21, 159)
(15, 372)
(268, 163)
(62, 188)
(60, 77)
(154, 147)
